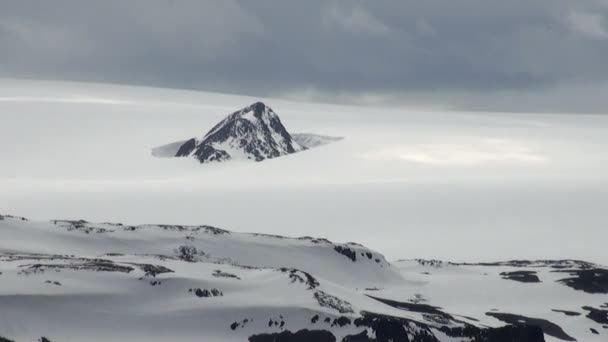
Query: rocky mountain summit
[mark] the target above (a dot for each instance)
(253, 133)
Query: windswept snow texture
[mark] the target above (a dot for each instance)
(309, 140)
(73, 280)
(254, 133)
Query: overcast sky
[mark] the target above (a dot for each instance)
(516, 55)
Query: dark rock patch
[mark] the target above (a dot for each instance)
(2, 339)
(341, 321)
(360, 337)
(81, 226)
(314, 319)
(597, 315)
(594, 331)
(432, 263)
(44, 339)
(186, 148)
(151, 270)
(512, 333)
(593, 280)
(556, 264)
(56, 283)
(347, 252)
(188, 253)
(469, 318)
(415, 307)
(567, 313)
(205, 293)
(326, 300)
(96, 265)
(548, 327)
(387, 329)
(220, 274)
(521, 276)
(302, 277)
(304, 335)
(240, 324)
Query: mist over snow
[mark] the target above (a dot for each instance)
(464, 186)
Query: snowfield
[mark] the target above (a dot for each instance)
(412, 183)
(279, 254)
(77, 281)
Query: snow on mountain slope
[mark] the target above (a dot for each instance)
(167, 151)
(254, 132)
(76, 280)
(313, 140)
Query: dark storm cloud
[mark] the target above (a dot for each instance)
(267, 47)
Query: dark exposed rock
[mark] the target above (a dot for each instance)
(186, 148)
(416, 307)
(206, 153)
(97, 265)
(220, 274)
(44, 339)
(81, 226)
(302, 277)
(326, 300)
(360, 337)
(314, 319)
(548, 327)
(567, 313)
(388, 329)
(594, 331)
(432, 263)
(341, 321)
(512, 333)
(597, 315)
(255, 131)
(206, 293)
(2, 339)
(521, 276)
(556, 264)
(347, 252)
(151, 270)
(188, 253)
(594, 280)
(240, 324)
(304, 335)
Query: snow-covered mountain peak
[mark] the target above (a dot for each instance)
(254, 132)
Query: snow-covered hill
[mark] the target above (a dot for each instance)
(82, 281)
(254, 132)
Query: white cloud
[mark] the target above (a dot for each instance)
(355, 20)
(588, 24)
(483, 151)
